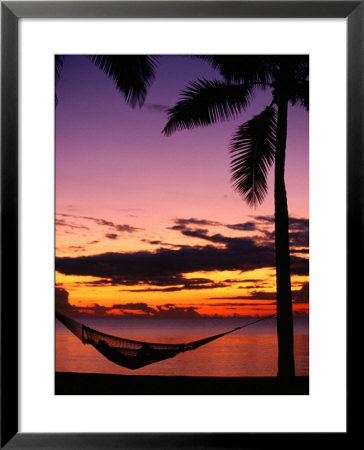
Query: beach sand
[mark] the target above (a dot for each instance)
(70, 383)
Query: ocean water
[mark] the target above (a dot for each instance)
(251, 351)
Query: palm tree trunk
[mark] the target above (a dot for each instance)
(283, 276)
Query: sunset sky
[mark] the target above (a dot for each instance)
(151, 225)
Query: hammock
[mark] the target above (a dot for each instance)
(134, 354)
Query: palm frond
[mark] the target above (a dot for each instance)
(242, 68)
(300, 83)
(205, 102)
(59, 59)
(302, 68)
(300, 94)
(132, 74)
(252, 153)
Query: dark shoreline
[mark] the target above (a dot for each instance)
(70, 383)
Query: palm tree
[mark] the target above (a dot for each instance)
(254, 147)
(132, 74)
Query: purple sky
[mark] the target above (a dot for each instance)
(113, 163)
(102, 141)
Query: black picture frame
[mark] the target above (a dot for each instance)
(11, 13)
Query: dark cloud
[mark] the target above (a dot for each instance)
(162, 243)
(63, 223)
(202, 233)
(235, 304)
(299, 238)
(61, 302)
(127, 309)
(247, 226)
(126, 228)
(301, 313)
(264, 219)
(95, 310)
(140, 307)
(294, 222)
(261, 295)
(177, 311)
(103, 222)
(298, 223)
(185, 284)
(164, 269)
(93, 283)
(298, 230)
(255, 295)
(165, 265)
(112, 236)
(193, 221)
(161, 289)
(76, 248)
(302, 295)
(299, 266)
(184, 226)
(302, 251)
(252, 280)
(123, 308)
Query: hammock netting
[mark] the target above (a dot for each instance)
(133, 354)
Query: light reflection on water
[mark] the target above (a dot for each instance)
(251, 351)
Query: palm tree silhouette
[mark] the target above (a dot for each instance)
(132, 74)
(254, 147)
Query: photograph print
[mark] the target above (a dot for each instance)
(182, 226)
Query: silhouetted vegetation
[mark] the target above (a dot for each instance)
(132, 74)
(256, 145)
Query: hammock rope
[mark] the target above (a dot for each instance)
(135, 354)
